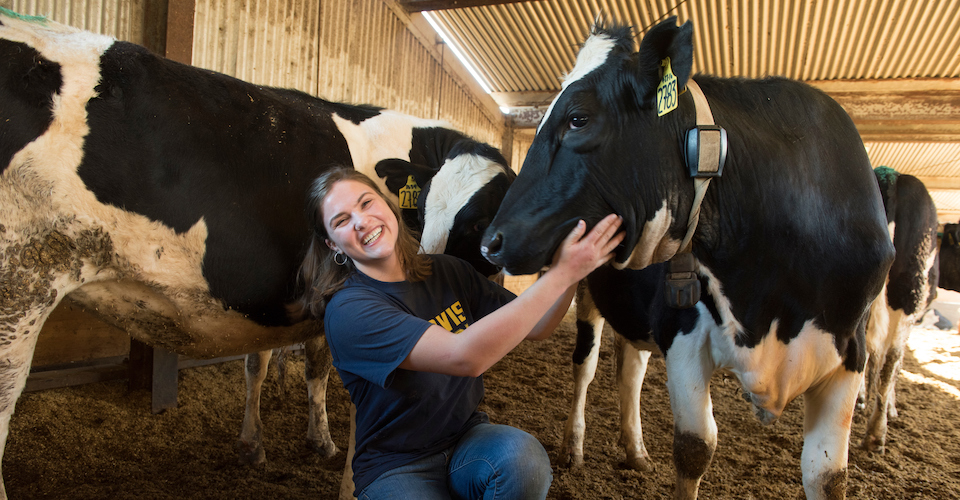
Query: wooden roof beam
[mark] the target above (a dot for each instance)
(422, 5)
(902, 110)
(911, 109)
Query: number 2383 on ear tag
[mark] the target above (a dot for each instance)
(667, 90)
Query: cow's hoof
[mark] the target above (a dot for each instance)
(325, 449)
(892, 413)
(571, 459)
(641, 464)
(251, 453)
(872, 444)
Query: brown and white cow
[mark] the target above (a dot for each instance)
(170, 199)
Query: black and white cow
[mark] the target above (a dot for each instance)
(170, 199)
(910, 289)
(950, 258)
(791, 246)
(626, 299)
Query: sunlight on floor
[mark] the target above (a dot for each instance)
(938, 352)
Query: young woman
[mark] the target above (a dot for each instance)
(411, 335)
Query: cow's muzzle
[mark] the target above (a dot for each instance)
(490, 248)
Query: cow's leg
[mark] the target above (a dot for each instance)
(317, 371)
(346, 482)
(282, 354)
(877, 336)
(39, 265)
(883, 373)
(868, 386)
(18, 340)
(892, 412)
(585, 355)
(631, 369)
(689, 368)
(250, 444)
(828, 414)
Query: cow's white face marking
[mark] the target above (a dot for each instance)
(450, 190)
(594, 53)
(655, 245)
(387, 135)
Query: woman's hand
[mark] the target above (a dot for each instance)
(579, 255)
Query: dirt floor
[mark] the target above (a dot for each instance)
(101, 441)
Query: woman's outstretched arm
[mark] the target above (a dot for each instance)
(534, 314)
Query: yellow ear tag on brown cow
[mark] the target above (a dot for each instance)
(667, 90)
(409, 194)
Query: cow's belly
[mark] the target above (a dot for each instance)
(189, 322)
(774, 373)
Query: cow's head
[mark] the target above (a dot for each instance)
(456, 203)
(601, 148)
(950, 257)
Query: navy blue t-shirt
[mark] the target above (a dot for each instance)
(371, 327)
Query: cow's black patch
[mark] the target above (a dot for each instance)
(176, 144)
(633, 303)
(28, 83)
(431, 145)
(625, 297)
(585, 342)
(476, 148)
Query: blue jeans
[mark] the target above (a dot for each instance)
(490, 462)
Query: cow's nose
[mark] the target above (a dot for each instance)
(491, 246)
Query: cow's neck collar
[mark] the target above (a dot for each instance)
(700, 183)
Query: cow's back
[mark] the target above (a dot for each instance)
(796, 217)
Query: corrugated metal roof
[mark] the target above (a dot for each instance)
(528, 46)
(523, 50)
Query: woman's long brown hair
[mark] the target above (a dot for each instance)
(321, 277)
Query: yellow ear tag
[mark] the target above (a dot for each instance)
(667, 90)
(409, 194)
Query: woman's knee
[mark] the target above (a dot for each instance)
(504, 460)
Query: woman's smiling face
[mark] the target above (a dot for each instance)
(360, 224)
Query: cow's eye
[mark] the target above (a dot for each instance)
(578, 121)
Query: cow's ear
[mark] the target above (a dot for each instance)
(663, 41)
(396, 172)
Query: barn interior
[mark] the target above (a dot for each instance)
(491, 69)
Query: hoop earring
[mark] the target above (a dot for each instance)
(337, 260)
